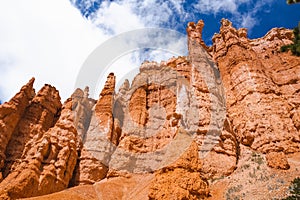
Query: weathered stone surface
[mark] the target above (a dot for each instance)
(48, 159)
(88, 169)
(40, 115)
(222, 160)
(277, 160)
(82, 108)
(102, 122)
(194, 32)
(217, 141)
(10, 114)
(257, 77)
(93, 163)
(180, 180)
(91, 170)
(146, 105)
(207, 125)
(134, 187)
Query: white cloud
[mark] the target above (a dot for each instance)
(248, 21)
(242, 18)
(178, 4)
(208, 6)
(217, 6)
(116, 18)
(161, 13)
(48, 40)
(136, 13)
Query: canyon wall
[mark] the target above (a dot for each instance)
(191, 127)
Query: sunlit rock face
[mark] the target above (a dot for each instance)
(262, 88)
(219, 123)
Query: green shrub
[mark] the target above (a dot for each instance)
(295, 47)
(294, 190)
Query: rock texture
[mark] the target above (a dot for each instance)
(49, 157)
(10, 114)
(96, 121)
(262, 87)
(182, 179)
(261, 96)
(220, 123)
(277, 160)
(39, 116)
(116, 188)
(220, 141)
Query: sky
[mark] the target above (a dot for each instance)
(51, 39)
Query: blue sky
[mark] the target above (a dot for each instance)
(256, 15)
(51, 39)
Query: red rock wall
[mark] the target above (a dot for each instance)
(201, 109)
(261, 84)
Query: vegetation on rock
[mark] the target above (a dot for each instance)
(295, 47)
(292, 1)
(294, 190)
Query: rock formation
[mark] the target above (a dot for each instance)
(95, 118)
(182, 179)
(220, 123)
(10, 115)
(260, 107)
(39, 116)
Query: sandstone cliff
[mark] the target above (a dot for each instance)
(220, 123)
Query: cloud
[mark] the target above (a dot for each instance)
(243, 17)
(48, 40)
(116, 18)
(172, 13)
(248, 21)
(120, 15)
(217, 6)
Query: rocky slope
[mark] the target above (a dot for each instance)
(221, 123)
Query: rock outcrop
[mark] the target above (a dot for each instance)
(49, 156)
(39, 116)
(260, 106)
(10, 114)
(97, 120)
(182, 179)
(261, 84)
(216, 124)
(277, 160)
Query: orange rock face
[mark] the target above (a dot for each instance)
(40, 115)
(10, 115)
(180, 180)
(97, 124)
(45, 157)
(220, 123)
(256, 77)
(277, 160)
